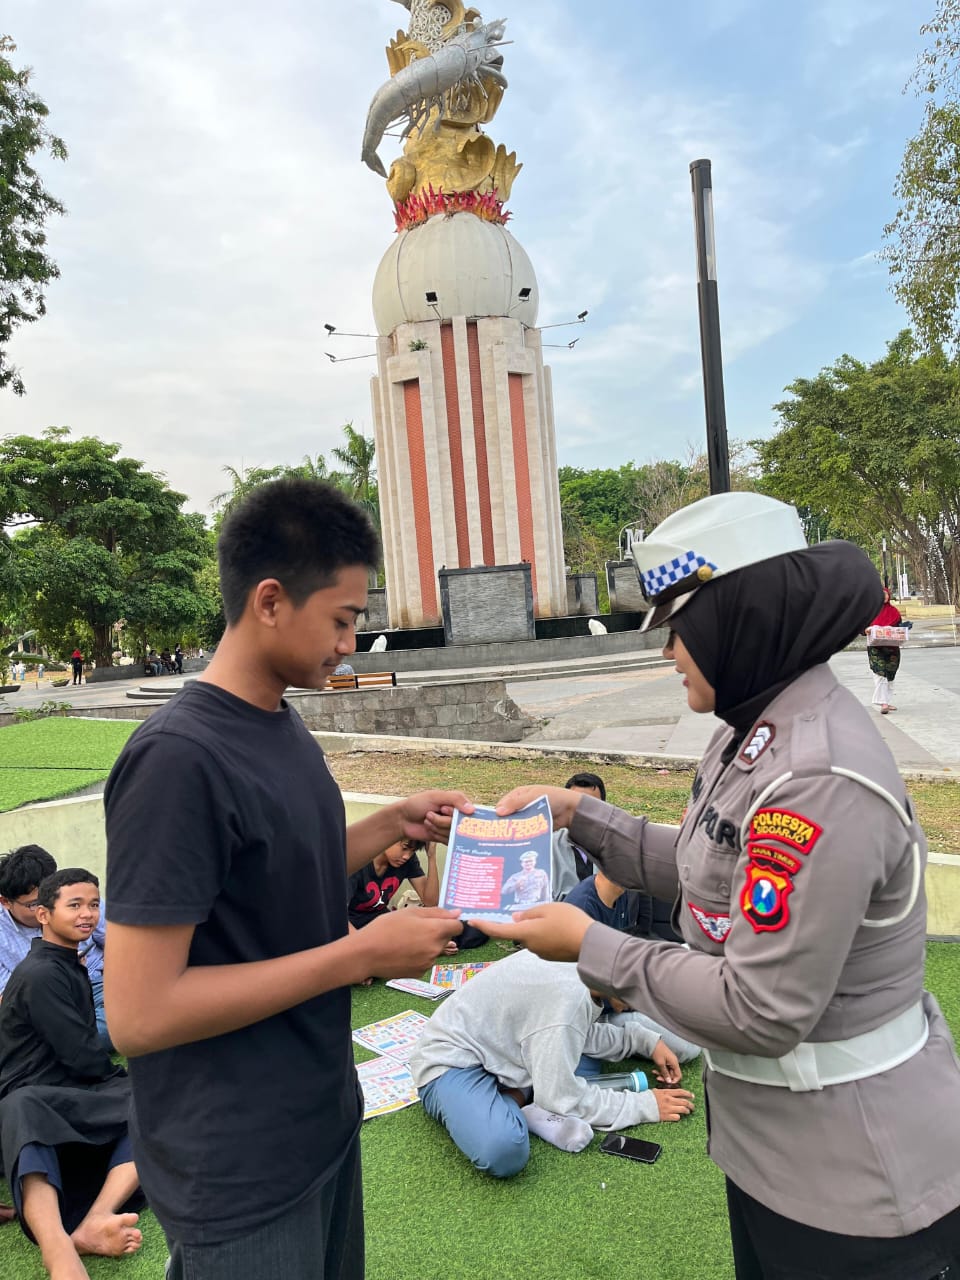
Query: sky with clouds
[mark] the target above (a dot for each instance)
(219, 214)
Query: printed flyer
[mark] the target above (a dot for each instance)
(496, 866)
(394, 1037)
(414, 987)
(387, 1086)
(451, 977)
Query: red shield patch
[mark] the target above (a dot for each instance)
(764, 898)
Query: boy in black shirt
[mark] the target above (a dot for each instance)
(63, 1104)
(373, 887)
(227, 915)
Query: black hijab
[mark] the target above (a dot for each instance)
(752, 632)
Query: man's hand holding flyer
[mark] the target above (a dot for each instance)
(497, 865)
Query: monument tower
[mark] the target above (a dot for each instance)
(462, 401)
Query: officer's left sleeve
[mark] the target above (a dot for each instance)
(817, 853)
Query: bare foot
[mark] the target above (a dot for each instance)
(6, 1214)
(112, 1236)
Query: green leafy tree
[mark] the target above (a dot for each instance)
(922, 246)
(96, 538)
(872, 451)
(241, 483)
(358, 476)
(25, 206)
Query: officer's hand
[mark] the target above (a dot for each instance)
(666, 1063)
(401, 944)
(563, 803)
(674, 1104)
(553, 931)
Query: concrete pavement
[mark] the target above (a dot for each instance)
(643, 709)
(646, 711)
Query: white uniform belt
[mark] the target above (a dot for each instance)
(814, 1066)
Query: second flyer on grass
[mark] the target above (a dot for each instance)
(496, 866)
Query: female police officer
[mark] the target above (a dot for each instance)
(831, 1078)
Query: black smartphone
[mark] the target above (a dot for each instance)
(615, 1144)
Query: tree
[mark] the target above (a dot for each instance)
(359, 475)
(873, 451)
(25, 206)
(922, 246)
(241, 483)
(98, 539)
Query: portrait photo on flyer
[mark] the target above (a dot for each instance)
(496, 866)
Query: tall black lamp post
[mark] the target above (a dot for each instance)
(717, 451)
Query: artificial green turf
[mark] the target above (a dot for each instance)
(430, 1216)
(46, 759)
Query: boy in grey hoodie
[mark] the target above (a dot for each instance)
(500, 1057)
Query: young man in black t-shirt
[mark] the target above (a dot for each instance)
(227, 915)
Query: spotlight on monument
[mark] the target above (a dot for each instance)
(367, 355)
(432, 300)
(334, 332)
(524, 293)
(581, 316)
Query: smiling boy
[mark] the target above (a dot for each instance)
(229, 962)
(63, 1104)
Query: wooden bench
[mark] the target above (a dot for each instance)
(363, 680)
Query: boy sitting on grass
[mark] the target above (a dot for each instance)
(63, 1104)
(372, 888)
(501, 1057)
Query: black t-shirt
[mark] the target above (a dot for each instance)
(243, 836)
(369, 894)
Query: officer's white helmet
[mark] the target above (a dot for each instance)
(716, 535)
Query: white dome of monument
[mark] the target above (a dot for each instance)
(475, 268)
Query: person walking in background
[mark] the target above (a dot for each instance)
(178, 659)
(76, 661)
(884, 659)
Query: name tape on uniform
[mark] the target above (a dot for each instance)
(786, 826)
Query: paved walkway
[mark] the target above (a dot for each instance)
(644, 710)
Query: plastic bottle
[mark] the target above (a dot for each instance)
(634, 1081)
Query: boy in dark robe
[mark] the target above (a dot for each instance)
(63, 1103)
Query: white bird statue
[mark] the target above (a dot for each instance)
(596, 627)
(379, 644)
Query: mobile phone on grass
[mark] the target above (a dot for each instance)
(615, 1144)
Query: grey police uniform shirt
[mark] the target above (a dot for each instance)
(788, 946)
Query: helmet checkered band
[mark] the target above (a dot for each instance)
(676, 570)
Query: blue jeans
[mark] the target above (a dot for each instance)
(102, 1032)
(320, 1238)
(487, 1125)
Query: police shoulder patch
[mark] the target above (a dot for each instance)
(760, 739)
(714, 925)
(779, 859)
(764, 898)
(786, 826)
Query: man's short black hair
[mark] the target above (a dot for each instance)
(301, 532)
(50, 886)
(23, 869)
(587, 780)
